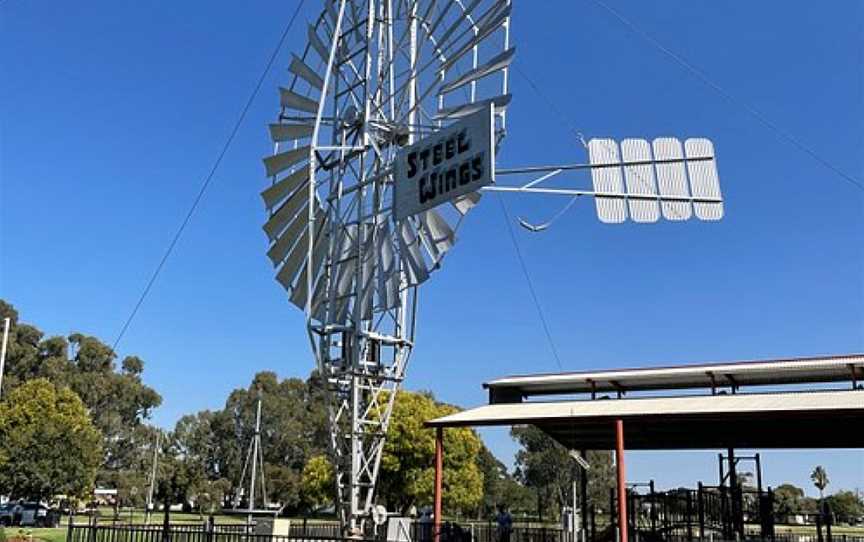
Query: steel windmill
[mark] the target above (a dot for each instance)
(387, 134)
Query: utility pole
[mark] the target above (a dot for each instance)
(3, 352)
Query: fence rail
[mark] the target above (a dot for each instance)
(420, 532)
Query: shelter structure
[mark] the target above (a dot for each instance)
(783, 403)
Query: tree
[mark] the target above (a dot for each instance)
(407, 475)
(545, 466)
(847, 506)
(48, 445)
(318, 482)
(788, 500)
(499, 487)
(118, 402)
(819, 477)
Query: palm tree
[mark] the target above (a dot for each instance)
(820, 479)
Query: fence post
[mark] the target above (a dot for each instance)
(700, 510)
(689, 513)
(653, 509)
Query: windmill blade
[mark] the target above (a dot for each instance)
(282, 161)
(440, 17)
(283, 188)
(344, 266)
(465, 203)
(289, 236)
(303, 71)
(460, 20)
(437, 235)
(368, 267)
(388, 277)
(358, 23)
(463, 110)
(640, 180)
(316, 44)
(287, 211)
(330, 9)
(292, 100)
(488, 23)
(495, 64)
(671, 178)
(704, 181)
(415, 267)
(611, 210)
(319, 250)
(289, 269)
(289, 132)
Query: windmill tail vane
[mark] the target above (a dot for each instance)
(388, 133)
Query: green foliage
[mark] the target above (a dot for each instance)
(788, 500)
(819, 477)
(213, 444)
(544, 466)
(210, 494)
(318, 482)
(500, 488)
(48, 445)
(847, 506)
(118, 402)
(407, 473)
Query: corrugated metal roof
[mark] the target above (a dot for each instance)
(521, 413)
(748, 373)
(823, 419)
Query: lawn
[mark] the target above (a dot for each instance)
(47, 535)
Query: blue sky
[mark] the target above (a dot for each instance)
(112, 113)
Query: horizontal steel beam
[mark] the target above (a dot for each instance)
(570, 167)
(574, 193)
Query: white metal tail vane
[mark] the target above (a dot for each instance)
(387, 136)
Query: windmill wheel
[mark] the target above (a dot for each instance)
(415, 68)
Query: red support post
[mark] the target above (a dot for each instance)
(622, 480)
(439, 474)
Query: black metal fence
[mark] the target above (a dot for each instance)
(303, 531)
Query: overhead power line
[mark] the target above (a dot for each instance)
(530, 284)
(206, 183)
(755, 113)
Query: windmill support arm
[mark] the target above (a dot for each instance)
(571, 167)
(597, 194)
(550, 171)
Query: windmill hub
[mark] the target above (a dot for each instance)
(389, 133)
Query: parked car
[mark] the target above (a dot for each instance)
(28, 514)
(7, 514)
(34, 514)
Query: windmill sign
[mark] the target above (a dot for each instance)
(456, 160)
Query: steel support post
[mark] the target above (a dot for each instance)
(439, 476)
(622, 480)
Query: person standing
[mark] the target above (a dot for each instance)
(505, 523)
